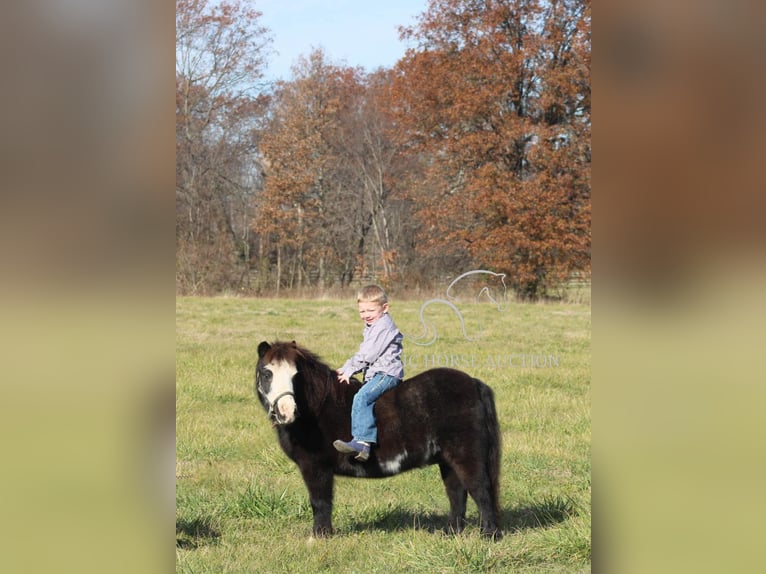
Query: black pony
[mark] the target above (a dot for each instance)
(441, 416)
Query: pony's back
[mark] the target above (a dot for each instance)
(444, 408)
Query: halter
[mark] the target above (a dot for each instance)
(273, 406)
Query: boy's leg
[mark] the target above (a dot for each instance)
(362, 415)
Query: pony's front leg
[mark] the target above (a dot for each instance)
(319, 482)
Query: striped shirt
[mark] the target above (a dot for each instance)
(380, 351)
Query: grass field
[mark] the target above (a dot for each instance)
(241, 503)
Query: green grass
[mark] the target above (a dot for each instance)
(242, 506)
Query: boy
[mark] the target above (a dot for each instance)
(379, 356)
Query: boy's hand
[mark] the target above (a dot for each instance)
(341, 377)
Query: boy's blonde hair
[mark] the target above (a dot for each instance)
(372, 294)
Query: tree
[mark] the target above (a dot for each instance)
(327, 209)
(220, 55)
(295, 215)
(377, 170)
(497, 98)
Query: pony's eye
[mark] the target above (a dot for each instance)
(264, 379)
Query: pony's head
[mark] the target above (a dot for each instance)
(274, 384)
(290, 378)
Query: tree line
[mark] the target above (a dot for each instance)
(473, 151)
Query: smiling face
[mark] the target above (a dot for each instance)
(369, 311)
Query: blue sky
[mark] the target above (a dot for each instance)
(351, 32)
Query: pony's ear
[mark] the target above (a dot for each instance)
(295, 344)
(262, 348)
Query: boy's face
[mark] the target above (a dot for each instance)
(371, 312)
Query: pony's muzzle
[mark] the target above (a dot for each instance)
(284, 410)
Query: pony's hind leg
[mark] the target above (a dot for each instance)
(482, 495)
(477, 483)
(457, 495)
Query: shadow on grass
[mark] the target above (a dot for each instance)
(195, 533)
(540, 515)
(397, 519)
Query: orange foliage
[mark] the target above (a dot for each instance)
(473, 152)
(497, 95)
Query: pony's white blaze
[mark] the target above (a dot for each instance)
(282, 382)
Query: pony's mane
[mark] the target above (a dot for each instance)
(319, 379)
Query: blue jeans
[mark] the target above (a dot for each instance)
(362, 416)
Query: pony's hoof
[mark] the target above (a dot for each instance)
(323, 532)
(494, 535)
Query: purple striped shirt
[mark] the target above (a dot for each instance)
(380, 351)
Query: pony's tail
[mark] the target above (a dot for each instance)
(494, 443)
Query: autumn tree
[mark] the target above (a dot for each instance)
(294, 211)
(474, 151)
(378, 166)
(327, 213)
(496, 96)
(220, 57)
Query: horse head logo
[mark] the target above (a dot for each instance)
(490, 286)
